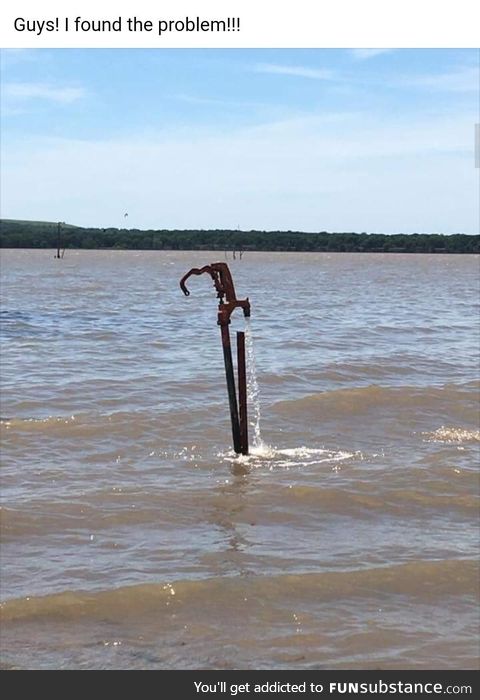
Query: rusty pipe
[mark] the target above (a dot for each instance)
(242, 393)
(228, 302)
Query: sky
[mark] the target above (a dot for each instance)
(272, 139)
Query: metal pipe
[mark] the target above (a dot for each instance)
(228, 302)
(232, 394)
(58, 240)
(242, 392)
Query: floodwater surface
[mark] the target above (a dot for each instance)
(131, 534)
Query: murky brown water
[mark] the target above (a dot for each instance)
(131, 535)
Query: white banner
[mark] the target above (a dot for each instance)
(239, 24)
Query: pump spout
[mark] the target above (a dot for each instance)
(223, 283)
(195, 271)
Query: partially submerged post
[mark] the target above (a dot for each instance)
(228, 302)
(242, 392)
(59, 241)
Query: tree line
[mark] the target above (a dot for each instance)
(31, 234)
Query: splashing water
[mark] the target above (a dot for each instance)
(273, 458)
(253, 392)
(260, 452)
(452, 435)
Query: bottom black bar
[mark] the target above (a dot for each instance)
(259, 684)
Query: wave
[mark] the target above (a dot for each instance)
(89, 427)
(426, 580)
(452, 435)
(133, 423)
(334, 403)
(110, 508)
(393, 501)
(37, 423)
(362, 399)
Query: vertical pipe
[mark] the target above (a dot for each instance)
(232, 396)
(58, 240)
(242, 392)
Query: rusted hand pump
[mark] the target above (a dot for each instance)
(228, 302)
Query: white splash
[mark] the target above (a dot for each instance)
(452, 435)
(253, 391)
(274, 458)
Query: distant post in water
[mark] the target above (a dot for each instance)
(228, 302)
(59, 241)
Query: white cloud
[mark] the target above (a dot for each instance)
(365, 54)
(42, 91)
(462, 80)
(298, 71)
(11, 57)
(331, 172)
(215, 102)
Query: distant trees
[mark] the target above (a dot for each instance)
(38, 234)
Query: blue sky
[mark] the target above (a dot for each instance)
(336, 140)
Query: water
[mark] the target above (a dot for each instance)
(133, 537)
(253, 391)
